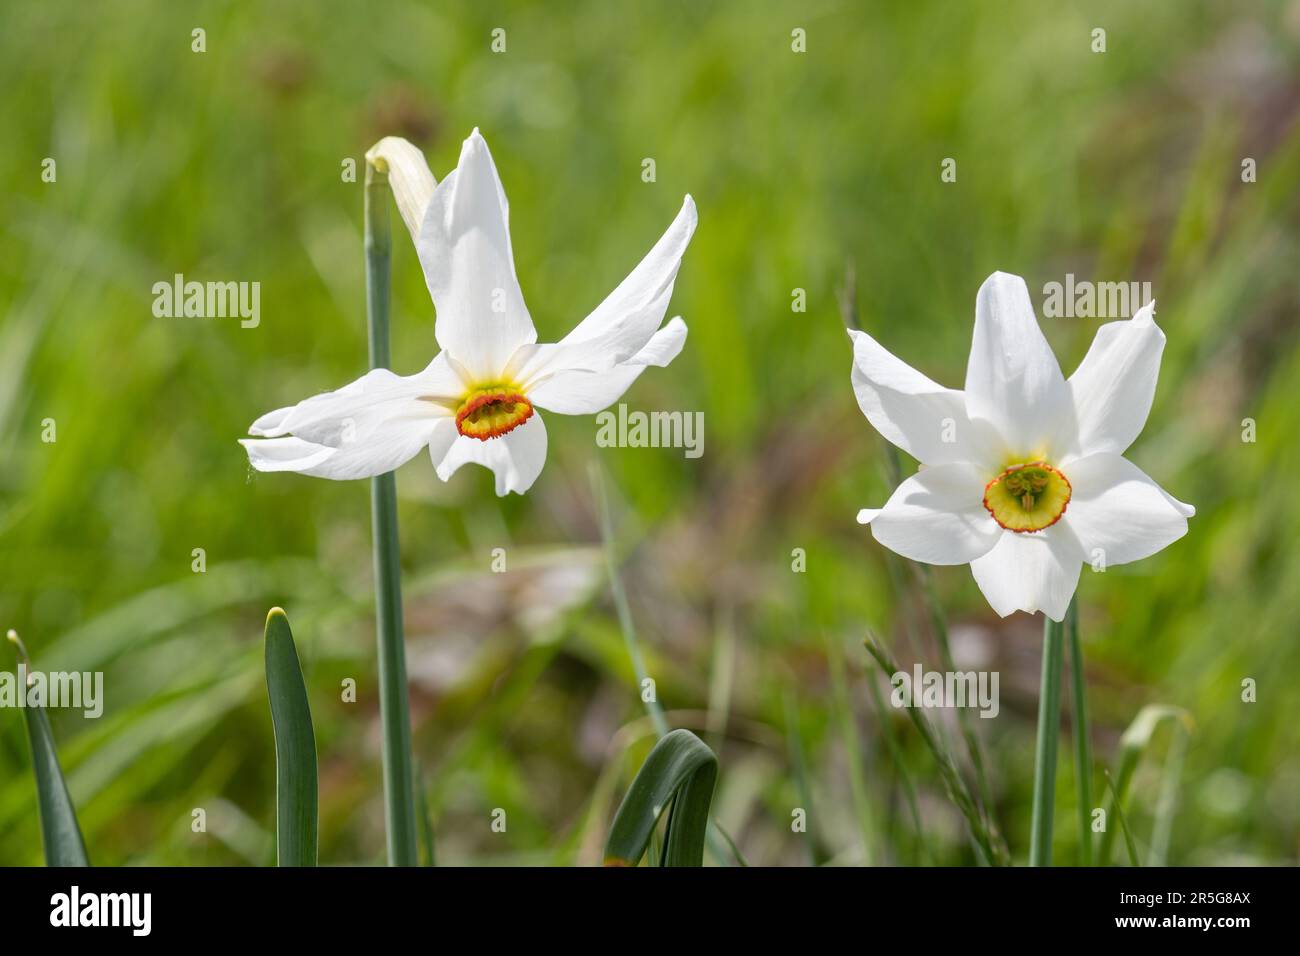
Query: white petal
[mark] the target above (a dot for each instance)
(441, 441)
(585, 393)
(923, 418)
(409, 177)
(1114, 385)
(1030, 572)
(622, 328)
(464, 247)
(632, 312)
(366, 428)
(285, 454)
(516, 458)
(664, 346)
(937, 516)
(1115, 508)
(1012, 379)
(376, 454)
(378, 396)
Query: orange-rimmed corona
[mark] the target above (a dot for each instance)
(492, 412)
(1028, 497)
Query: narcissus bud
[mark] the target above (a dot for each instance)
(408, 175)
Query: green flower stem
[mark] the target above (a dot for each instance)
(1049, 721)
(399, 784)
(1082, 746)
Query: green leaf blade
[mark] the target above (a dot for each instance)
(680, 771)
(59, 830)
(60, 834)
(295, 747)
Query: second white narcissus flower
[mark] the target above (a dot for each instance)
(1022, 474)
(478, 401)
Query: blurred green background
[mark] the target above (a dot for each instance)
(808, 169)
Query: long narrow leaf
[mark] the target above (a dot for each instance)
(681, 770)
(1132, 745)
(60, 834)
(1163, 826)
(426, 822)
(295, 747)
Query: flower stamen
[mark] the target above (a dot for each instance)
(492, 412)
(1028, 497)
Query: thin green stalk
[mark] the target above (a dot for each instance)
(624, 610)
(964, 720)
(939, 622)
(426, 822)
(799, 766)
(1049, 721)
(1082, 744)
(987, 842)
(1129, 845)
(843, 712)
(1168, 802)
(621, 606)
(395, 718)
(900, 770)
(1133, 743)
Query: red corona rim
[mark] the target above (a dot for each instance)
(492, 412)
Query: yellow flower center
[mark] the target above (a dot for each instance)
(1027, 497)
(492, 411)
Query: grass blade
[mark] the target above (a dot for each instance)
(900, 769)
(426, 822)
(621, 606)
(939, 621)
(843, 712)
(60, 834)
(295, 747)
(680, 771)
(1132, 744)
(1123, 824)
(799, 770)
(987, 840)
(1168, 801)
(654, 709)
(939, 626)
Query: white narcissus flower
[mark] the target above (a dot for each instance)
(1022, 474)
(478, 401)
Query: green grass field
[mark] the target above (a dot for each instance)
(816, 171)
